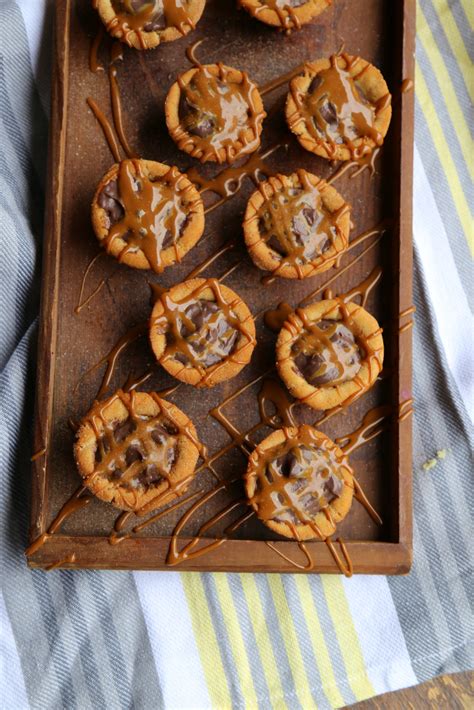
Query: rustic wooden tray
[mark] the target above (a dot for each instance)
(71, 343)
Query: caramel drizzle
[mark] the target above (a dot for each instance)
(126, 24)
(280, 80)
(188, 552)
(347, 569)
(112, 356)
(228, 246)
(174, 315)
(190, 53)
(309, 560)
(229, 181)
(339, 85)
(151, 212)
(75, 502)
(364, 289)
(116, 536)
(407, 326)
(286, 14)
(232, 140)
(281, 216)
(378, 231)
(94, 64)
(38, 454)
(116, 103)
(367, 162)
(271, 392)
(80, 303)
(274, 319)
(68, 560)
(373, 424)
(106, 128)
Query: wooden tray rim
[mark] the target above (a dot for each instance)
(368, 557)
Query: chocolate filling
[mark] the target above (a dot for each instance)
(338, 108)
(312, 484)
(158, 454)
(109, 200)
(152, 11)
(328, 355)
(291, 226)
(207, 332)
(284, 3)
(148, 213)
(212, 108)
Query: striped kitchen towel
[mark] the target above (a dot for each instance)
(170, 640)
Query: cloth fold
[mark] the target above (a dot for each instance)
(170, 640)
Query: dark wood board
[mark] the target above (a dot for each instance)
(70, 344)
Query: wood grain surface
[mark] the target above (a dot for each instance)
(70, 344)
(448, 692)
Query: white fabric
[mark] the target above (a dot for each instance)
(172, 639)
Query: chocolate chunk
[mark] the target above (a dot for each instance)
(194, 119)
(150, 476)
(132, 454)
(155, 20)
(123, 430)
(310, 365)
(274, 243)
(309, 214)
(311, 483)
(315, 360)
(329, 113)
(109, 200)
(208, 333)
(315, 84)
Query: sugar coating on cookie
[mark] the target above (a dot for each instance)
(339, 108)
(285, 14)
(144, 24)
(296, 226)
(215, 113)
(136, 451)
(146, 214)
(299, 483)
(329, 353)
(202, 332)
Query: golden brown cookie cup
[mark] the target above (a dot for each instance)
(227, 368)
(170, 255)
(201, 148)
(281, 18)
(323, 522)
(265, 257)
(139, 38)
(114, 412)
(374, 88)
(367, 333)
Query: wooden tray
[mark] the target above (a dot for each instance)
(70, 344)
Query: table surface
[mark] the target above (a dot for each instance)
(455, 692)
